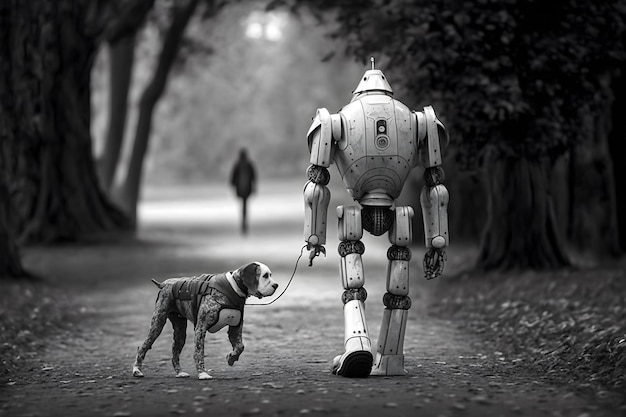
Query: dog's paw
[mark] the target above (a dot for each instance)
(232, 359)
(182, 374)
(137, 372)
(204, 375)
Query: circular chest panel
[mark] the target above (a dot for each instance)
(381, 142)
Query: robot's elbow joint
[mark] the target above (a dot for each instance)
(438, 242)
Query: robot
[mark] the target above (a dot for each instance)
(375, 141)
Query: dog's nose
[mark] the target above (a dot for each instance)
(274, 285)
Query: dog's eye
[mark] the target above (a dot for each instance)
(266, 275)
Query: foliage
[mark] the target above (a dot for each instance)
(571, 326)
(161, 18)
(515, 77)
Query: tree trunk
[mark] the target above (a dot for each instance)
(617, 151)
(593, 219)
(121, 35)
(10, 261)
(52, 47)
(122, 54)
(130, 188)
(521, 231)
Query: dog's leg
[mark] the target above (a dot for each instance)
(236, 340)
(198, 355)
(208, 313)
(179, 324)
(159, 317)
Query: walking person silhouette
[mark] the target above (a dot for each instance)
(243, 179)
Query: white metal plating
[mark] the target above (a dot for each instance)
(349, 224)
(434, 202)
(316, 200)
(356, 334)
(401, 232)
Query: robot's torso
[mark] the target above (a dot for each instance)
(377, 148)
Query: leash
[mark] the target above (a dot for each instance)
(295, 268)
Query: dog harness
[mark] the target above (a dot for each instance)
(195, 288)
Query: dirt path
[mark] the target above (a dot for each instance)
(285, 369)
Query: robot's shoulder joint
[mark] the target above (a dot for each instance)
(323, 120)
(324, 131)
(431, 136)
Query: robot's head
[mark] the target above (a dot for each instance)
(373, 80)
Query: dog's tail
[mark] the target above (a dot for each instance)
(157, 283)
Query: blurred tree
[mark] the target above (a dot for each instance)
(592, 221)
(617, 149)
(52, 182)
(129, 190)
(120, 36)
(178, 14)
(515, 81)
(10, 261)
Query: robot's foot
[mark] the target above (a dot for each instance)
(388, 365)
(355, 364)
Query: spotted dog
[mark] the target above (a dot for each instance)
(210, 302)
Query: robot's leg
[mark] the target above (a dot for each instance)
(357, 360)
(390, 348)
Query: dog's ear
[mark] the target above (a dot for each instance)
(251, 276)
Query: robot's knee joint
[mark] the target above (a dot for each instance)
(354, 294)
(351, 246)
(395, 302)
(399, 253)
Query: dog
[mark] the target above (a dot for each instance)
(210, 302)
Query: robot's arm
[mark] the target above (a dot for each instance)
(316, 199)
(434, 196)
(324, 129)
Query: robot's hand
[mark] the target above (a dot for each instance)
(433, 263)
(315, 251)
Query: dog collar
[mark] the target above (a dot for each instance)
(233, 283)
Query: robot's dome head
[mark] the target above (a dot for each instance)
(373, 80)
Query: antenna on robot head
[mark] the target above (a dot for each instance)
(372, 60)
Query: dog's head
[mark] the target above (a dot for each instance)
(257, 278)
